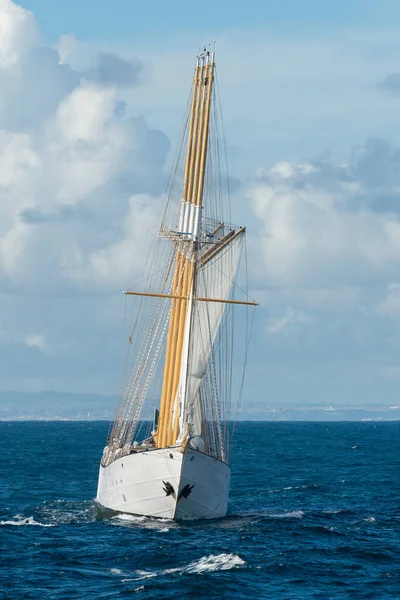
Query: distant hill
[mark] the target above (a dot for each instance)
(90, 407)
(55, 405)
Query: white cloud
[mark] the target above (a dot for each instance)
(391, 304)
(37, 340)
(85, 115)
(67, 44)
(66, 184)
(18, 32)
(290, 320)
(330, 223)
(121, 261)
(79, 190)
(290, 95)
(80, 184)
(75, 161)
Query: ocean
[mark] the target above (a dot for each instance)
(314, 513)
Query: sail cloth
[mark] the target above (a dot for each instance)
(214, 280)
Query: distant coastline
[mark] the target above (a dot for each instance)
(65, 406)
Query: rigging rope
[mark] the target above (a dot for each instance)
(212, 346)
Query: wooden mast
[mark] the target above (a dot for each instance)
(189, 226)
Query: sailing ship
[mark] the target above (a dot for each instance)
(181, 349)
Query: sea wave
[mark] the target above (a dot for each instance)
(215, 562)
(370, 519)
(142, 575)
(307, 486)
(294, 514)
(336, 511)
(206, 564)
(209, 564)
(99, 554)
(64, 512)
(20, 521)
(124, 519)
(130, 518)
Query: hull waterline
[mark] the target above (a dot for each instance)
(166, 483)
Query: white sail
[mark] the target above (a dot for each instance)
(214, 280)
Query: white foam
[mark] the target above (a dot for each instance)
(138, 589)
(144, 575)
(60, 511)
(370, 519)
(290, 487)
(206, 564)
(141, 521)
(116, 571)
(27, 521)
(295, 514)
(209, 564)
(132, 518)
(218, 562)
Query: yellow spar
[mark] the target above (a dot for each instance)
(168, 425)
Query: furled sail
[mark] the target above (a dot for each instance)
(215, 280)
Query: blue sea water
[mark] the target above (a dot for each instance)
(314, 513)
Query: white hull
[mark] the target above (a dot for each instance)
(139, 483)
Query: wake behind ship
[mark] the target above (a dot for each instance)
(170, 457)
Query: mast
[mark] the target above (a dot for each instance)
(181, 345)
(185, 259)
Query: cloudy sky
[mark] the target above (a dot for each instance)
(92, 96)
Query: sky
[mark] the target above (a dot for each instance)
(92, 96)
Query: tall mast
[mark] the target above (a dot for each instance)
(185, 260)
